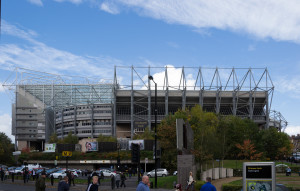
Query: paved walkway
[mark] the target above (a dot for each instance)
(218, 183)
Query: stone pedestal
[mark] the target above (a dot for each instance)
(185, 164)
(215, 173)
(229, 172)
(223, 173)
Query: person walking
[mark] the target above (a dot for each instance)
(40, 184)
(33, 174)
(63, 185)
(73, 178)
(113, 182)
(70, 177)
(143, 185)
(190, 182)
(93, 186)
(123, 178)
(118, 179)
(208, 186)
(6, 175)
(52, 179)
(2, 174)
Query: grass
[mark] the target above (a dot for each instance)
(165, 182)
(238, 164)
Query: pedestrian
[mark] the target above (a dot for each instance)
(143, 185)
(40, 184)
(52, 179)
(130, 172)
(93, 186)
(123, 178)
(118, 179)
(288, 171)
(6, 174)
(113, 183)
(190, 182)
(13, 177)
(89, 180)
(70, 177)
(63, 185)
(178, 187)
(142, 172)
(2, 174)
(73, 178)
(208, 186)
(33, 174)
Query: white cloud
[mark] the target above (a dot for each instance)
(278, 20)
(36, 2)
(5, 126)
(71, 1)
(251, 47)
(173, 45)
(110, 8)
(39, 56)
(288, 84)
(1, 87)
(292, 130)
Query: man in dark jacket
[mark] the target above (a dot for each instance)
(63, 185)
(93, 186)
(70, 177)
(40, 184)
(208, 186)
(123, 178)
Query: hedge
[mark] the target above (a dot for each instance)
(230, 187)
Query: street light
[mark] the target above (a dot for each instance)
(155, 135)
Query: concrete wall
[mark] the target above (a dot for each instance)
(222, 172)
(215, 173)
(229, 172)
(185, 164)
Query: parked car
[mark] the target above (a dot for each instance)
(106, 173)
(19, 170)
(59, 174)
(160, 172)
(175, 173)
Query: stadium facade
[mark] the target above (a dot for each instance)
(46, 103)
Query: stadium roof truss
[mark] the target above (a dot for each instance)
(238, 81)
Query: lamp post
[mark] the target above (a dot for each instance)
(155, 134)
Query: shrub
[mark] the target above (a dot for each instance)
(230, 187)
(199, 184)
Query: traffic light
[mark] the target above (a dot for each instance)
(135, 153)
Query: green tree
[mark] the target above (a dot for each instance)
(70, 139)
(273, 141)
(103, 138)
(146, 135)
(6, 149)
(54, 138)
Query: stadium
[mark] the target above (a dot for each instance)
(45, 103)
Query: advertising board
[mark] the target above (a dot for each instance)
(91, 146)
(259, 176)
(50, 148)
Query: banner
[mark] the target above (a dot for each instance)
(50, 148)
(139, 142)
(91, 146)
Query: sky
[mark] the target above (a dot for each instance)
(90, 37)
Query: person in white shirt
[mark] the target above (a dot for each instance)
(190, 182)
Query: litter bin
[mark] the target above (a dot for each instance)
(151, 184)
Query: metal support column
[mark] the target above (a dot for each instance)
(267, 110)
(250, 105)
(92, 119)
(234, 104)
(115, 103)
(149, 101)
(167, 92)
(131, 104)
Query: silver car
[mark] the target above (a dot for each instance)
(160, 172)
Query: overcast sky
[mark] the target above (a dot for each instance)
(90, 37)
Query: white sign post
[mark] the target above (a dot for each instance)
(146, 161)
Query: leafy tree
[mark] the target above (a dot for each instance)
(6, 149)
(247, 151)
(103, 138)
(146, 135)
(70, 139)
(273, 141)
(54, 138)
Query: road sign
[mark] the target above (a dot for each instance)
(146, 160)
(67, 153)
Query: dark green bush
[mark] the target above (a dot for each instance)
(230, 187)
(199, 184)
(237, 172)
